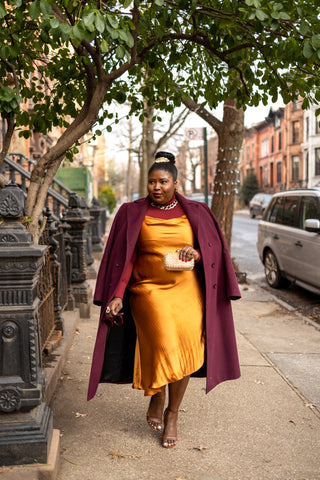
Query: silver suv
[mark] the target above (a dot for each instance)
(289, 239)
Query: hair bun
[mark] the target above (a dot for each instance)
(167, 155)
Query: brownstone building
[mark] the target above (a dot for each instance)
(272, 148)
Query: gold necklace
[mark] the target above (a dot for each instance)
(165, 207)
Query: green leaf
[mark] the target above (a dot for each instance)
(159, 2)
(109, 128)
(5, 51)
(113, 22)
(2, 11)
(304, 27)
(77, 32)
(65, 28)
(17, 3)
(126, 3)
(261, 15)
(89, 19)
(99, 22)
(54, 23)
(34, 10)
(104, 46)
(315, 40)
(284, 16)
(307, 49)
(120, 51)
(45, 7)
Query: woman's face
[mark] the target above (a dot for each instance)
(161, 186)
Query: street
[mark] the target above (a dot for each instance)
(245, 255)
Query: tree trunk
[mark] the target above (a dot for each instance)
(230, 133)
(7, 138)
(226, 179)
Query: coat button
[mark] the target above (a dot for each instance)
(213, 265)
(210, 244)
(117, 264)
(214, 286)
(110, 284)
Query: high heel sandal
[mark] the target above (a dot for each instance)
(168, 441)
(154, 423)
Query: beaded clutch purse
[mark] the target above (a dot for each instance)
(172, 262)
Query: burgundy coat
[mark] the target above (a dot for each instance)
(114, 349)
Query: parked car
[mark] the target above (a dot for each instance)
(289, 239)
(199, 197)
(259, 203)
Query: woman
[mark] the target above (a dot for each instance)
(182, 321)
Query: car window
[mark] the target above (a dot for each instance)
(310, 208)
(273, 214)
(289, 213)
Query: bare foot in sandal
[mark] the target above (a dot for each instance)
(169, 437)
(155, 410)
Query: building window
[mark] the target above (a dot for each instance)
(279, 172)
(252, 151)
(295, 105)
(317, 161)
(307, 128)
(276, 122)
(295, 131)
(280, 140)
(317, 125)
(265, 147)
(272, 144)
(295, 167)
(266, 175)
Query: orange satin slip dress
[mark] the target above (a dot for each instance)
(167, 308)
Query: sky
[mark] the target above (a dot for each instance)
(252, 115)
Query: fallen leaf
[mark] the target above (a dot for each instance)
(78, 415)
(134, 456)
(200, 448)
(115, 454)
(84, 374)
(291, 421)
(179, 478)
(259, 382)
(310, 405)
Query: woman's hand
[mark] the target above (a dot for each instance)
(187, 253)
(113, 307)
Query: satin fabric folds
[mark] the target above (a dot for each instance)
(167, 307)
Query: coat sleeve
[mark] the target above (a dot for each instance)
(100, 283)
(232, 287)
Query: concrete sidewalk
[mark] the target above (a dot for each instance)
(264, 426)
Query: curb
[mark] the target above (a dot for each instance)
(293, 310)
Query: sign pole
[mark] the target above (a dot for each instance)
(205, 166)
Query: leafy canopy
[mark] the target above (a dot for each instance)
(56, 55)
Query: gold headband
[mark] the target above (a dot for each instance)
(161, 160)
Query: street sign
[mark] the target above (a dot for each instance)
(194, 133)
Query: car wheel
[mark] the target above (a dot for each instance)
(272, 271)
(252, 215)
